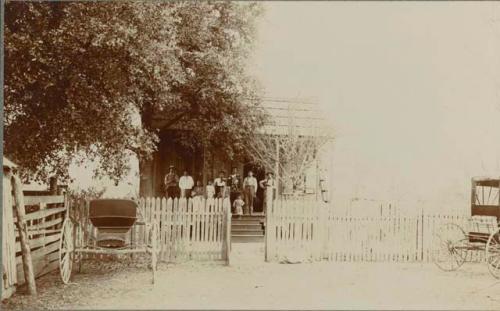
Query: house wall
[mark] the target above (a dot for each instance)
(204, 165)
(201, 165)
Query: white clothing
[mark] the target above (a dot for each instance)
(238, 206)
(219, 182)
(250, 181)
(186, 182)
(210, 191)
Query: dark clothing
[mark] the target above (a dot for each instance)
(220, 184)
(234, 195)
(235, 187)
(172, 192)
(171, 185)
(171, 179)
(219, 191)
(235, 183)
(198, 191)
(185, 193)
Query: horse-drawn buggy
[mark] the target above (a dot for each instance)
(105, 226)
(453, 242)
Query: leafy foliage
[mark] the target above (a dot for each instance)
(99, 80)
(82, 195)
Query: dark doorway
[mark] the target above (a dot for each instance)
(259, 173)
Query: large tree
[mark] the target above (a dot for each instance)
(84, 80)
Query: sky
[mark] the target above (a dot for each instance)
(412, 90)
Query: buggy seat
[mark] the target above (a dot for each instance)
(113, 215)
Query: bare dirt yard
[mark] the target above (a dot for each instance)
(250, 283)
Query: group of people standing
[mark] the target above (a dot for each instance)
(242, 194)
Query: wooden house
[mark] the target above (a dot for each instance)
(203, 166)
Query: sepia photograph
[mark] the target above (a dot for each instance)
(250, 155)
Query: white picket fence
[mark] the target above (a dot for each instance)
(310, 230)
(194, 229)
(294, 230)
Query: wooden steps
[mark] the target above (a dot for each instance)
(247, 228)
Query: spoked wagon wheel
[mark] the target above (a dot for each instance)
(66, 250)
(155, 235)
(450, 247)
(79, 241)
(493, 253)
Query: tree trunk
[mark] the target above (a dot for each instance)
(146, 171)
(146, 187)
(205, 166)
(53, 185)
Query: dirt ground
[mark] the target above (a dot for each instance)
(249, 283)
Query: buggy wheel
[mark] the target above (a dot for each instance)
(155, 235)
(79, 241)
(66, 250)
(450, 247)
(493, 253)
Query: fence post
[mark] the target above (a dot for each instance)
(421, 236)
(227, 207)
(269, 214)
(324, 230)
(29, 274)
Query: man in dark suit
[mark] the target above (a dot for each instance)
(171, 183)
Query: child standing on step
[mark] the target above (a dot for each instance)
(238, 205)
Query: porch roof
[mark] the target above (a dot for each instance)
(305, 118)
(487, 181)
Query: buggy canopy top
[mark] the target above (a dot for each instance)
(487, 181)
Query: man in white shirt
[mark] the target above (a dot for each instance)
(250, 190)
(186, 183)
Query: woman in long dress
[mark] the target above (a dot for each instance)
(269, 187)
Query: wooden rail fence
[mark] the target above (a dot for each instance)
(310, 230)
(43, 212)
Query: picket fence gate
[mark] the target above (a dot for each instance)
(310, 230)
(194, 229)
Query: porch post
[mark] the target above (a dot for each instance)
(204, 169)
(227, 208)
(268, 237)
